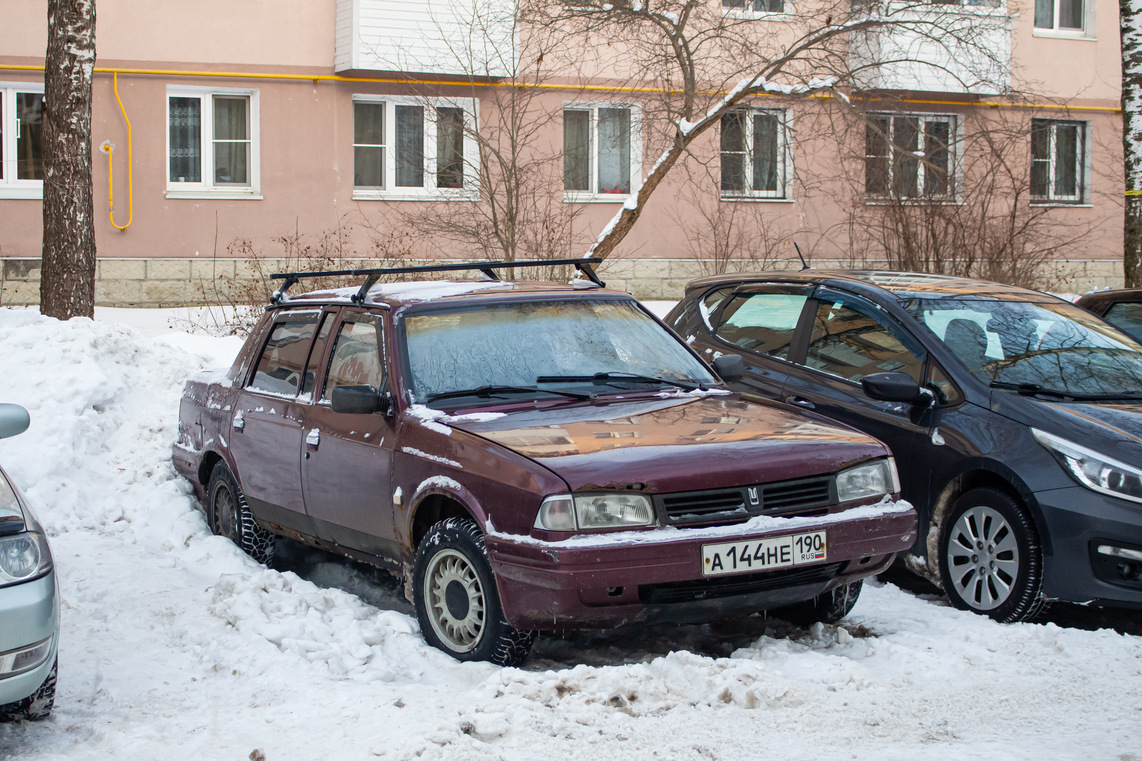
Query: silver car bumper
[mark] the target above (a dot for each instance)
(29, 616)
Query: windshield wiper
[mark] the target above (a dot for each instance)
(483, 392)
(602, 379)
(1034, 389)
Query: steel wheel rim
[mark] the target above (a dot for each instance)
(983, 558)
(450, 573)
(225, 513)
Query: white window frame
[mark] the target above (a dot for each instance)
(955, 141)
(1086, 33)
(788, 11)
(783, 193)
(206, 188)
(1083, 171)
(429, 191)
(593, 195)
(10, 185)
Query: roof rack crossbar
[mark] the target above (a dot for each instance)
(373, 275)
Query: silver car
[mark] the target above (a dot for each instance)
(29, 599)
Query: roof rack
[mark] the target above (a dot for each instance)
(373, 275)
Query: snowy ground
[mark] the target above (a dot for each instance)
(175, 645)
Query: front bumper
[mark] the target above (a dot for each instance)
(612, 579)
(29, 613)
(1078, 521)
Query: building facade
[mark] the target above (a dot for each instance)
(235, 138)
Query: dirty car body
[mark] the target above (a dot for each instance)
(531, 456)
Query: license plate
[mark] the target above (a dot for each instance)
(763, 554)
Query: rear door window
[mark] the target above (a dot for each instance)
(1127, 318)
(762, 322)
(280, 367)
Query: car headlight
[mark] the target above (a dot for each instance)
(1095, 471)
(873, 479)
(23, 557)
(585, 512)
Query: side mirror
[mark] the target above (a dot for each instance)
(729, 367)
(360, 400)
(894, 387)
(14, 420)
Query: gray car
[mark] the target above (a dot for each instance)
(29, 599)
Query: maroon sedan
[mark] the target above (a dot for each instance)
(532, 456)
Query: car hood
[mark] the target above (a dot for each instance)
(676, 442)
(1113, 428)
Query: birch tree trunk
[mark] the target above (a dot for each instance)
(1131, 25)
(67, 281)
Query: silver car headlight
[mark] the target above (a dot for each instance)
(23, 557)
(1095, 471)
(873, 479)
(586, 512)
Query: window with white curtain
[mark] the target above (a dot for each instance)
(212, 142)
(21, 141)
(755, 154)
(602, 151)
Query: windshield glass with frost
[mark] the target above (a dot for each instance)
(515, 344)
(1053, 345)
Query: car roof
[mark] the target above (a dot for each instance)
(397, 295)
(899, 285)
(1120, 294)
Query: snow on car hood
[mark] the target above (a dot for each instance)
(675, 444)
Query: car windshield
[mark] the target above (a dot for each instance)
(538, 348)
(1050, 347)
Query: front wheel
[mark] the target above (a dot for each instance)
(990, 558)
(826, 608)
(36, 706)
(457, 604)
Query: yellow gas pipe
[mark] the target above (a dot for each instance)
(109, 148)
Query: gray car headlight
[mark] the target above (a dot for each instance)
(873, 479)
(1095, 471)
(585, 512)
(23, 557)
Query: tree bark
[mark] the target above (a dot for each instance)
(67, 280)
(1131, 26)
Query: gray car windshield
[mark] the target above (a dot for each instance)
(1036, 347)
(504, 350)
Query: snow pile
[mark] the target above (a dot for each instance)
(175, 644)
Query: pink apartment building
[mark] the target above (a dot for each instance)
(375, 130)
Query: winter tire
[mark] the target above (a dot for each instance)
(990, 558)
(36, 706)
(826, 608)
(457, 603)
(230, 516)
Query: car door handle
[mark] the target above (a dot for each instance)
(239, 422)
(800, 401)
(313, 438)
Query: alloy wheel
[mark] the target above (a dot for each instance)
(983, 558)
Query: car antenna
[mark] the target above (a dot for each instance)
(804, 264)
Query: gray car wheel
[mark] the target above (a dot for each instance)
(990, 558)
(36, 706)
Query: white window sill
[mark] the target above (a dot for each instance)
(582, 196)
(755, 199)
(1062, 204)
(367, 195)
(745, 13)
(24, 193)
(215, 195)
(913, 201)
(1063, 35)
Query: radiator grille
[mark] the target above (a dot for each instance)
(719, 507)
